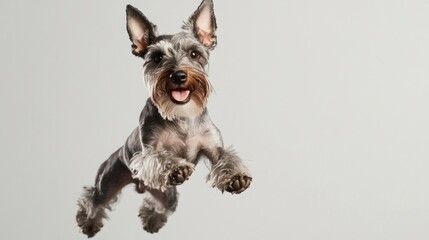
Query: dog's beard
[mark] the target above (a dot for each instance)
(168, 101)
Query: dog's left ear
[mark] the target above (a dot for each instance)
(203, 24)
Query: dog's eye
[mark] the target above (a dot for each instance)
(157, 58)
(194, 54)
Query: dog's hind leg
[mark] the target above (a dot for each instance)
(156, 208)
(112, 176)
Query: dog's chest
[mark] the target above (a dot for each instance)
(187, 141)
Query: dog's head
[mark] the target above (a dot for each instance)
(175, 65)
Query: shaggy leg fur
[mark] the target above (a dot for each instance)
(229, 173)
(157, 207)
(159, 170)
(112, 176)
(89, 217)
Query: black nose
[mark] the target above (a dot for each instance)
(178, 77)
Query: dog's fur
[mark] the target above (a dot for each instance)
(174, 130)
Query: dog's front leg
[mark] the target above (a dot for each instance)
(228, 172)
(160, 169)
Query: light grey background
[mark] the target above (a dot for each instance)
(326, 100)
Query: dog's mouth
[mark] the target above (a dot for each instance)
(180, 95)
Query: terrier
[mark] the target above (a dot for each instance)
(175, 130)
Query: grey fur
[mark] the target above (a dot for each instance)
(155, 167)
(90, 216)
(174, 132)
(157, 207)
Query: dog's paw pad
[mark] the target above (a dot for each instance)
(238, 184)
(180, 175)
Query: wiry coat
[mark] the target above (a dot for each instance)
(175, 130)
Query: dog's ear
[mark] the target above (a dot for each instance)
(141, 31)
(203, 24)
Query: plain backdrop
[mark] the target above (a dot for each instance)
(327, 102)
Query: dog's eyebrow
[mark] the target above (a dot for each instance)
(162, 45)
(192, 46)
(186, 44)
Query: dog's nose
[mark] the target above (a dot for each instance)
(178, 77)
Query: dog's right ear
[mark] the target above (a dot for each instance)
(141, 31)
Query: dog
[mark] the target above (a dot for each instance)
(174, 131)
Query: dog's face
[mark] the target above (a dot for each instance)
(175, 65)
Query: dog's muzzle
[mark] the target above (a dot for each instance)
(176, 90)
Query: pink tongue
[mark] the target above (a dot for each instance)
(180, 95)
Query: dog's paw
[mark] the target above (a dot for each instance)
(236, 184)
(151, 220)
(88, 226)
(180, 174)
